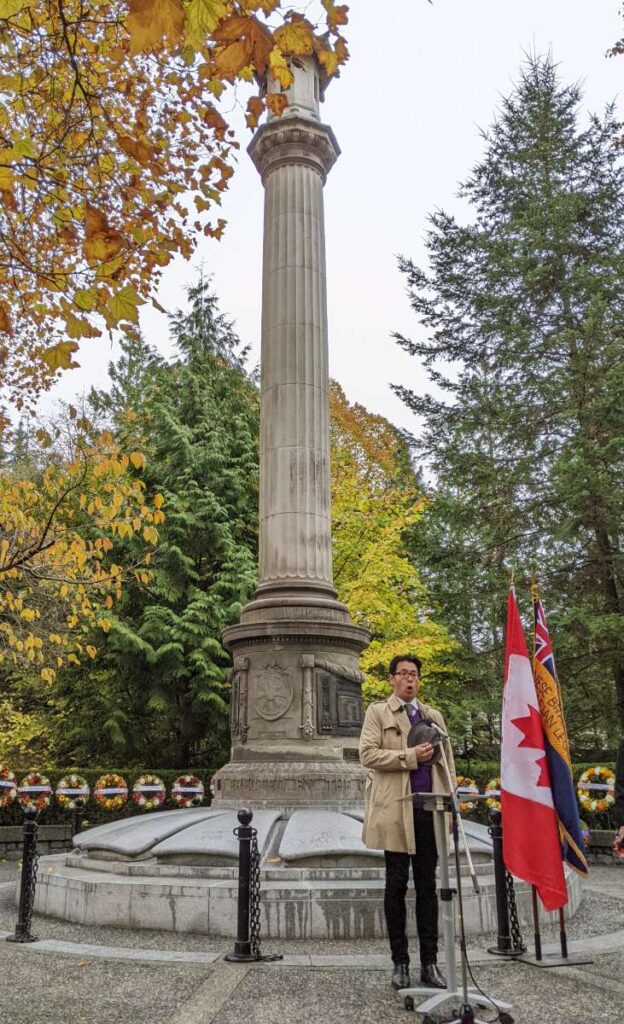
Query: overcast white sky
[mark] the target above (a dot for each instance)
(406, 111)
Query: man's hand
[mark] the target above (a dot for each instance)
(620, 834)
(424, 752)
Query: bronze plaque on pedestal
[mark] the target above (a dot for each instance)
(339, 705)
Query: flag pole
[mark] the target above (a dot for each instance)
(537, 938)
(563, 937)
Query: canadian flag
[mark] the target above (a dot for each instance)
(531, 843)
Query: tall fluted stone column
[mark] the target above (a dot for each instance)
(296, 685)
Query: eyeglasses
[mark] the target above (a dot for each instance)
(407, 675)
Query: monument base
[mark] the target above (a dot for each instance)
(290, 785)
(177, 871)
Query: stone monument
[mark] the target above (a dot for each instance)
(296, 709)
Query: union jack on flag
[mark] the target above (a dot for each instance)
(557, 746)
(543, 647)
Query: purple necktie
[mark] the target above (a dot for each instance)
(420, 778)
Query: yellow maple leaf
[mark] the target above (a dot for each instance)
(123, 305)
(7, 178)
(137, 459)
(336, 14)
(10, 7)
(296, 37)
(255, 109)
(86, 298)
(140, 151)
(101, 241)
(202, 17)
(277, 102)
(329, 60)
(77, 328)
(59, 356)
(233, 58)
(152, 23)
(279, 68)
(232, 29)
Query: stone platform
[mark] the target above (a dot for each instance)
(177, 871)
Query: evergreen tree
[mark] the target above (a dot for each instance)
(164, 667)
(523, 310)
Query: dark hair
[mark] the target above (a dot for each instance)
(404, 657)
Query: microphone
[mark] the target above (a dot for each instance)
(434, 725)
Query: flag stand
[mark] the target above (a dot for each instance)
(550, 959)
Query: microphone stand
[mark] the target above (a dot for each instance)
(440, 804)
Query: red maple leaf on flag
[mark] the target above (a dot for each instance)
(533, 736)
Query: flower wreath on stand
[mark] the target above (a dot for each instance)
(70, 789)
(149, 792)
(465, 787)
(8, 786)
(492, 794)
(111, 791)
(187, 791)
(595, 790)
(35, 791)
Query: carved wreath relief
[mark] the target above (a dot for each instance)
(273, 692)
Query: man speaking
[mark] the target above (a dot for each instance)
(402, 828)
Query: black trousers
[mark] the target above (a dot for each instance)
(397, 877)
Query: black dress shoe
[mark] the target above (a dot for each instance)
(400, 976)
(430, 975)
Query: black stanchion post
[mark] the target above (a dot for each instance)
(28, 880)
(242, 946)
(504, 946)
(79, 809)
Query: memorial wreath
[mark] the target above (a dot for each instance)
(35, 791)
(149, 792)
(8, 786)
(595, 789)
(492, 794)
(466, 786)
(187, 791)
(70, 789)
(111, 791)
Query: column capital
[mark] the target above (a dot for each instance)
(294, 140)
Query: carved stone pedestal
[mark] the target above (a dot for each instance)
(296, 715)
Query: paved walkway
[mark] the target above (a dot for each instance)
(106, 976)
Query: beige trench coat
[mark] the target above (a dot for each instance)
(388, 822)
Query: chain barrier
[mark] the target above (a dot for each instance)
(247, 944)
(28, 883)
(254, 896)
(514, 924)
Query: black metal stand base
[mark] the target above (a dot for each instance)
(249, 958)
(554, 960)
(22, 938)
(511, 954)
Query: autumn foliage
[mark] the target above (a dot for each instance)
(59, 518)
(376, 502)
(114, 153)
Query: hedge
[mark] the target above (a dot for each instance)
(481, 771)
